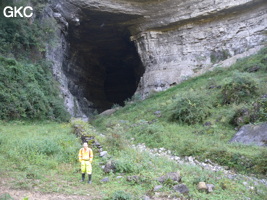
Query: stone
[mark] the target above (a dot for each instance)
(105, 180)
(251, 135)
(157, 112)
(135, 179)
(157, 188)
(174, 176)
(109, 167)
(210, 188)
(109, 112)
(202, 186)
(254, 68)
(146, 198)
(103, 153)
(207, 124)
(97, 144)
(182, 188)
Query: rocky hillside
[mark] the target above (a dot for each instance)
(200, 116)
(113, 49)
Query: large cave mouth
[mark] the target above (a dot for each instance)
(104, 67)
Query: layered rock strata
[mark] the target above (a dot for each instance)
(116, 48)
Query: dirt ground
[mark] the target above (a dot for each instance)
(6, 192)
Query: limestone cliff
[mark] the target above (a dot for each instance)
(115, 48)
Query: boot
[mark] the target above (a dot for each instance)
(89, 178)
(83, 177)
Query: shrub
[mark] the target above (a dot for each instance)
(6, 196)
(257, 111)
(190, 109)
(121, 195)
(261, 162)
(238, 88)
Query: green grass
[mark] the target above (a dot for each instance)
(42, 156)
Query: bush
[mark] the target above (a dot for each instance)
(190, 109)
(238, 88)
(121, 195)
(257, 111)
(261, 162)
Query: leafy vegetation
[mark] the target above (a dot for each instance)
(27, 88)
(25, 37)
(239, 87)
(190, 109)
(27, 91)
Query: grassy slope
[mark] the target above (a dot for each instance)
(138, 120)
(43, 157)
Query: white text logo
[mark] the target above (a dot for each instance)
(18, 12)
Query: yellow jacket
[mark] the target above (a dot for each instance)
(86, 155)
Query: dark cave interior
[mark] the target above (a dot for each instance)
(104, 66)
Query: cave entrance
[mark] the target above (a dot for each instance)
(105, 68)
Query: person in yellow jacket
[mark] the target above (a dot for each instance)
(86, 158)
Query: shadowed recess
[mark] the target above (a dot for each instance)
(103, 67)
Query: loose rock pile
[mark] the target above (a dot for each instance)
(207, 164)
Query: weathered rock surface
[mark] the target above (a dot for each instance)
(109, 167)
(252, 134)
(157, 188)
(210, 188)
(174, 176)
(182, 188)
(202, 186)
(108, 112)
(115, 48)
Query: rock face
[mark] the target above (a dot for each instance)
(115, 48)
(252, 134)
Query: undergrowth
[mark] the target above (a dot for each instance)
(27, 91)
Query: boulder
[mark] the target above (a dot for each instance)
(135, 179)
(174, 176)
(105, 180)
(157, 188)
(252, 134)
(146, 198)
(109, 167)
(210, 188)
(182, 188)
(202, 186)
(103, 153)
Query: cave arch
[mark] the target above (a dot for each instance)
(103, 65)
